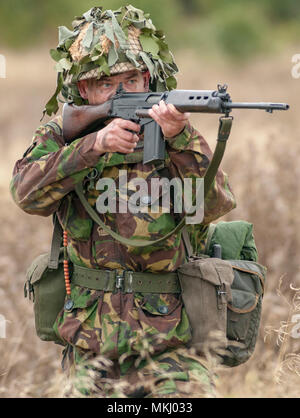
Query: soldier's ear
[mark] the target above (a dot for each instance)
(82, 86)
(146, 77)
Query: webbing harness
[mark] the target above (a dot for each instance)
(223, 134)
(225, 123)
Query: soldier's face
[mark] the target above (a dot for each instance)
(99, 91)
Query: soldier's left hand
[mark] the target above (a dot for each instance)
(171, 121)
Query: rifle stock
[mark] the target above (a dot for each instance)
(79, 121)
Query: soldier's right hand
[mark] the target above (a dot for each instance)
(115, 137)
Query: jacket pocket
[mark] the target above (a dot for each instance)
(78, 325)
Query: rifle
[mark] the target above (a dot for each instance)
(79, 121)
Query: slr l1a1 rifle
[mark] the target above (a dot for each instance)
(79, 121)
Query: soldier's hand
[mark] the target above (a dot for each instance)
(171, 121)
(115, 137)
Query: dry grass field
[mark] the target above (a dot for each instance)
(262, 160)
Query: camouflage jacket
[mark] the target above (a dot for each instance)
(43, 183)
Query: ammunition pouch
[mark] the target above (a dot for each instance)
(46, 287)
(223, 300)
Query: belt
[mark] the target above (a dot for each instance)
(127, 282)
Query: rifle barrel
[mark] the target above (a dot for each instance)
(253, 105)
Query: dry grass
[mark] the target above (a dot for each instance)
(261, 160)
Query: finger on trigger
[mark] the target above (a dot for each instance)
(131, 126)
(128, 146)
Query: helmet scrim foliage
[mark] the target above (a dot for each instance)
(106, 42)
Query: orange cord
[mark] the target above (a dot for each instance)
(66, 265)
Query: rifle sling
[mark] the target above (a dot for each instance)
(225, 123)
(55, 244)
(223, 134)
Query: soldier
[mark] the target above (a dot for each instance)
(142, 333)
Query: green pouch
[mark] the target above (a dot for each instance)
(47, 288)
(223, 296)
(244, 311)
(205, 285)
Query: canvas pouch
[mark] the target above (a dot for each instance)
(223, 302)
(46, 286)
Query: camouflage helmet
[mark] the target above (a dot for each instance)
(106, 42)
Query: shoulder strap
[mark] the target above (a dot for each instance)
(55, 244)
(223, 134)
(210, 233)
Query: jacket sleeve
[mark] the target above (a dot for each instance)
(190, 156)
(50, 169)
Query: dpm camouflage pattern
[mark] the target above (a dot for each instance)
(175, 373)
(44, 181)
(110, 324)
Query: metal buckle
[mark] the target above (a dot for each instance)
(92, 174)
(130, 280)
(119, 281)
(221, 295)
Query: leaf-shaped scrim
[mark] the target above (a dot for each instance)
(135, 13)
(64, 34)
(89, 36)
(112, 54)
(139, 18)
(85, 59)
(77, 21)
(149, 45)
(109, 31)
(63, 64)
(164, 52)
(158, 71)
(131, 56)
(102, 66)
(57, 54)
(52, 105)
(120, 35)
(88, 15)
(150, 65)
(171, 83)
(112, 57)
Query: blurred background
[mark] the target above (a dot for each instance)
(251, 45)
